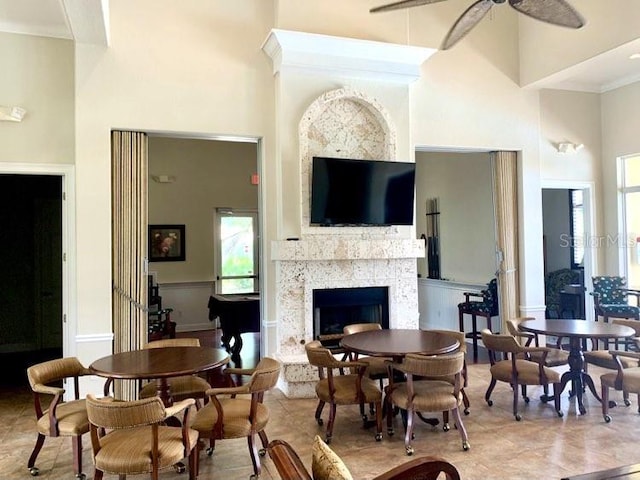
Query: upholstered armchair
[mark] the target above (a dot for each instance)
(465, 378)
(485, 306)
(626, 378)
(130, 438)
(427, 388)
(354, 388)
(228, 415)
(188, 386)
(58, 418)
(603, 358)
(376, 366)
(516, 370)
(610, 298)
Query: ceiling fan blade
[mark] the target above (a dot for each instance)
(557, 12)
(466, 22)
(402, 4)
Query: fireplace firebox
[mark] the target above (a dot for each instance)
(333, 308)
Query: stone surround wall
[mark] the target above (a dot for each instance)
(348, 124)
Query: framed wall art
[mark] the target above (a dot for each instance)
(166, 243)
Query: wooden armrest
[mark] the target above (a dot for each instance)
(287, 462)
(423, 467)
(473, 294)
(179, 406)
(623, 353)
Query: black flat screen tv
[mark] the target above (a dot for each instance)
(346, 192)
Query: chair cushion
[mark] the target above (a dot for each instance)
(630, 379)
(430, 396)
(622, 310)
(236, 422)
(188, 386)
(479, 307)
(555, 357)
(72, 419)
(602, 358)
(325, 464)
(346, 392)
(528, 372)
(128, 451)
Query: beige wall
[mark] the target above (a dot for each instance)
(462, 183)
(546, 49)
(37, 75)
(196, 67)
(208, 174)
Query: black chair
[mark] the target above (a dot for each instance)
(555, 284)
(486, 307)
(159, 319)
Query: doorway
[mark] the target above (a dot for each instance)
(196, 182)
(568, 258)
(31, 320)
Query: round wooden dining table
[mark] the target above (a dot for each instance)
(159, 364)
(577, 330)
(397, 342)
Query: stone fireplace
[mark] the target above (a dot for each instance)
(307, 265)
(346, 122)
(335, 308)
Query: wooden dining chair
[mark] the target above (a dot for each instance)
(626, 379)
(59, 418)
(186, 386)
(237, 412)
(132, 437)
(349, 389)
(460, 337)
(427, 388)
(553, 357)
(516, 370)
(376, 366)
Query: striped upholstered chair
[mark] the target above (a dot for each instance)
(58, 418)
(131, 438)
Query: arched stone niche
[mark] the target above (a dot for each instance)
(343, 123)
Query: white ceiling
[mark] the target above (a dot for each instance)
(84, 21)
(87, 21)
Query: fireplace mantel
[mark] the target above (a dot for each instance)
(346, 249)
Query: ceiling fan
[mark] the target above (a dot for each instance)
(557, 12)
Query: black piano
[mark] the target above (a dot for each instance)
(238, 313)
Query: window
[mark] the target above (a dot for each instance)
(237, 255)
(631, 218)
(577, 228)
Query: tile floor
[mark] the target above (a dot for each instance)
(541, 446)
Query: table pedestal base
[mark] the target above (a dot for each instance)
(578, 377)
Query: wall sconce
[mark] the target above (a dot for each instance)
(163, 178)
(568, 148)
(12, 114)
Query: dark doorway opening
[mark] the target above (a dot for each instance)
(31, 236)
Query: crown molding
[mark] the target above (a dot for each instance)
(350, 57)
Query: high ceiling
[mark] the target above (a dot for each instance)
(85, 21)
